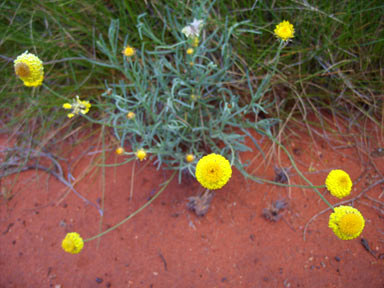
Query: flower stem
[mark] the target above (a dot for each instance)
(255, 178)
(166, 183)
(299, 172)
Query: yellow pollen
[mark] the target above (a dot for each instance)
(68, 244)
(350, 224)
(343, 181)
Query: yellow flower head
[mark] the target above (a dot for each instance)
(72, 243)
(338, 183)
(78, 106)
(30, 69)
(195, 42)
(346, 222)
(129, 51)
(119, 150)
(284, 30)
(141, 154)
(131, 115)
(190, 51)
(189, 158)
(213, 171)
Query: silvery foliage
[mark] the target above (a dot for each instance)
(200, 103)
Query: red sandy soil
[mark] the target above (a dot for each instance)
(166, 245)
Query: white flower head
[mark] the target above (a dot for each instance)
(193, 29)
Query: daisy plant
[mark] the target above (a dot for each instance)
(183, 92)
(179, 97)
(178, 100)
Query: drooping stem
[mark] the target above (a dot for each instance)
(165, 184)
(299, 172)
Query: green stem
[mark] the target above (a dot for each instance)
(102, 182)
(53, 92)
(299, 172)
(255, 178)
(136, 212)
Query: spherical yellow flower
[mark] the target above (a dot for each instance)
(284, 30)
(189, 158)
(30, 69)
(346, 222)
(72, 243)
(141, 154)
(190, 51)
(338, 183)
(131, 115)
(213, 171)
(78, 106)
(129, 51)
(119, 150)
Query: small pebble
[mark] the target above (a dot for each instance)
(99, 280)
(337, 258)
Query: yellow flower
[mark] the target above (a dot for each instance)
(30, 69)
(346, 222)
(284, 30)
(72, 243)
(67, 106)
(189, 158)
(119, 150)
(195, 42)
(338, 183)
(131, 115)
(129, 51)
(141, 154)
(190, 51)
(78, 106)
(213, 171)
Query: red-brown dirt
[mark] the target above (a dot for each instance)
(166, 245)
